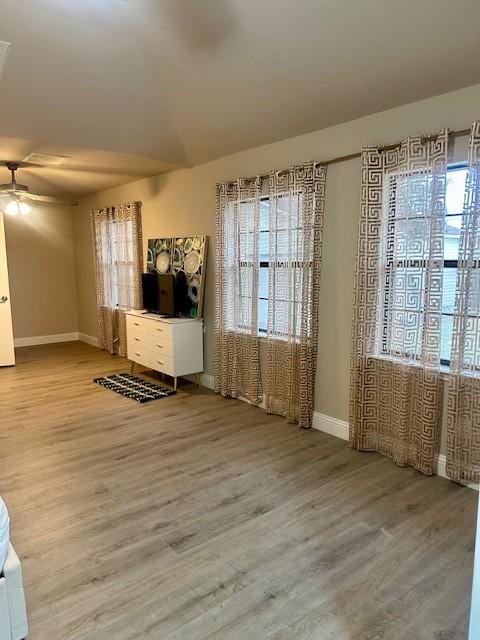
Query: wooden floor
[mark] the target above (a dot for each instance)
(195, 518)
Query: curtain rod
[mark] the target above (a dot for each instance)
(351, 156)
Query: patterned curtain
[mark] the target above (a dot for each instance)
(296, 206)
(463, 413)
(396, 391)
(236, 351)
(117, 241)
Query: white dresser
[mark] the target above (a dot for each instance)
(173, 346)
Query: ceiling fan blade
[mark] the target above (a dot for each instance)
(48, 199)
(23, 195)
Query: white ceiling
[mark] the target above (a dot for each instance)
(130, 88)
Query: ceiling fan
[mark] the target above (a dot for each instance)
(18, 193)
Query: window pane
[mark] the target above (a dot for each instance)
(280, 244)
(407, 242)
(406, 331)
(408, 288)
(412, 239)
(246, 281)
(263, 283)
(287, 211)
(263, 246)
(472, 282)
(453, 224)
(471, 354)
(449, 287)
(446, 343)
(246, 246)
(285, 246)
(262, 315)
(412, 194)
(455, 190)
(264, 215)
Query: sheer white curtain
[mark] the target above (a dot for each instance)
(396, 389)
(296, 208)
(463, 425)
(117, 239)
(237, 350)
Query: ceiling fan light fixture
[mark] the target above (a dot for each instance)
(16, 207)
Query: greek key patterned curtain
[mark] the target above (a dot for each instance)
(296, 208)
(117, 241)
(236, 351)
(396, 391)
(463, 414)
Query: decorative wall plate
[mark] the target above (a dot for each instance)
(192, 262)
(187, 245)
(162, 262)
(198, 242)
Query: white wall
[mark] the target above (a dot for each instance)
(41, 271)
(183, 202)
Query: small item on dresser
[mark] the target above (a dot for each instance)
(134, 387)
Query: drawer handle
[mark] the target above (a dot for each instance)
(137, 354)
(137, 339)
(160, 362)
(137, 324)
(158, 329)
(160, 345)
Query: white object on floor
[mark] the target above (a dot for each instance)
(13, 613)
(4, 533)
(173, 346)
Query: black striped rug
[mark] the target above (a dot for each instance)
(134, 387)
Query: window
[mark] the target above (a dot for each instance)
(117, 262)
(456, 178)
(410, 238)
(270, 250)
(264, 253)
(281, 266)
(276, 249)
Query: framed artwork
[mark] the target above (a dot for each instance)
(187, 254)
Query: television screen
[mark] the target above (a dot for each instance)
(159, 293)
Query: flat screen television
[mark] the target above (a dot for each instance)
(159, 293)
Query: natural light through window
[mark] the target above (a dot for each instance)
(454, 208)
(413, 250)
(287, 266)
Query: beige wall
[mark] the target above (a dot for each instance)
(182, 202)
(41, 271)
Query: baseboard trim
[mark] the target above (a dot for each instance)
(441, 465)
(332, 426)
(441, 470)
(207, 380)
(32, 341)
(84, 337)
(339, 429)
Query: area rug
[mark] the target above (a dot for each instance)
(134, 387)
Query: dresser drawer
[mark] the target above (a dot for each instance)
(160, 330)
(160, 345)
(136, 324)
(138, 354)
(162, 363)
(136, 339)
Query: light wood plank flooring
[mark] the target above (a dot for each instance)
(196, 517)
